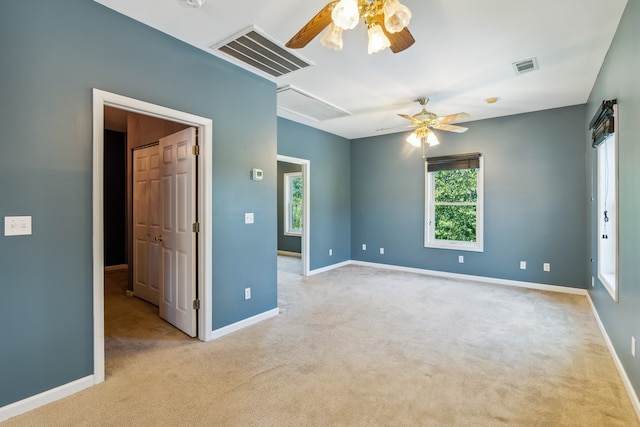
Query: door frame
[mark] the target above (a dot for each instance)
(204, 211)
(305, 244)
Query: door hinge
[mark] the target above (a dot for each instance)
(196, 227)
(195, 149)
(196, 304)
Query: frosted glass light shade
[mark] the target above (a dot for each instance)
(345, 14)
(332, 38)
(414, 139)
(377, 39)
(432, 139)
(396, 16)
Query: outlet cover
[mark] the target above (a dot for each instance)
(546, 266)
(330, 252)
(364, 246)
(633, 346)
(17, 225)
(381, 251)
(247, 293)
(523, 265)
(248, 218)
(461, 259)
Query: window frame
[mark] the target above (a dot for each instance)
(288, 205)
(429, 225)
(607, 264)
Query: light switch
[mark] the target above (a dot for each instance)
(248, 218)
(17, 225)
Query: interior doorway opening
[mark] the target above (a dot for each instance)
(102, 99)
(302, 167)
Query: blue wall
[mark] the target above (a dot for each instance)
(53, 54)
(618, 78)
(534, 198)
(330, 193)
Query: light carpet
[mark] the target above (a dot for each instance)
(359, 346)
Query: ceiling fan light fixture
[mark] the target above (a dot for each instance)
(377, 39)
(332, 38)
(345, 14)
(396, 16)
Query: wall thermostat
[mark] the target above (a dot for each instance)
(257, 174)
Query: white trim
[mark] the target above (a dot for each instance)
(483, 279)
(44, 398)
(116, 267)
(306, 209)
(205, 211)
(616, 360)
(291, 254)
(234, 327)
(330, 267)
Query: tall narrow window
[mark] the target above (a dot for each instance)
(454, 202)
(607, 215)
(293, 203)
(604, 141)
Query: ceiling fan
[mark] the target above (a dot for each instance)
(386, 21)
(426, 121)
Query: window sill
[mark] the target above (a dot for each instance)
(289, 233)
(456, 246)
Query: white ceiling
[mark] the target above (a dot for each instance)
(463, 54)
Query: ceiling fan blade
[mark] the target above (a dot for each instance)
(451, 128)
(396, 127)
(413, 120)
(312, 28)
(400, 40)
(453, 117)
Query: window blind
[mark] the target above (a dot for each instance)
(602, 123)
(452, 162)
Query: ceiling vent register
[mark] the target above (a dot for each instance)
(261, 52)
(525, 66)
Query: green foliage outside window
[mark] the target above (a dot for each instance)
(296, 203)
(456, 195)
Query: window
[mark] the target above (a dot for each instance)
(454, 202)
(607, 215)
(604, 141)
(293, 203)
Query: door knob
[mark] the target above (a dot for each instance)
(158, 238)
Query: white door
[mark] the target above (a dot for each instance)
(178, 240)
(146, 224)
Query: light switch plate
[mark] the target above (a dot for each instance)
(248, 218)
(17, 225)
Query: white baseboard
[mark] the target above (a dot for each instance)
(483, 279)
(226, 330)
(116, 267)
(616, 360)
(289, 253)
(329, 268)
(46, 397)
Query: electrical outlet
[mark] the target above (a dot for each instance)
(546, 266)
(460, 259)
(381, 251)
(330, 252)
(633, 346)
(523, 265)
(248, 218)
(593, 282)
(247, 293)
(364, 246)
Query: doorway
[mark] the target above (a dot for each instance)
(101, 99)
(306, 208)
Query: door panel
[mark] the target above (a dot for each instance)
(146, 220)
(177, 201)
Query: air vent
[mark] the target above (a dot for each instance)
(261, 52)
(525, 66)
(295, 101)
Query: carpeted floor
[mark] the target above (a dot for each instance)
(359, 346)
